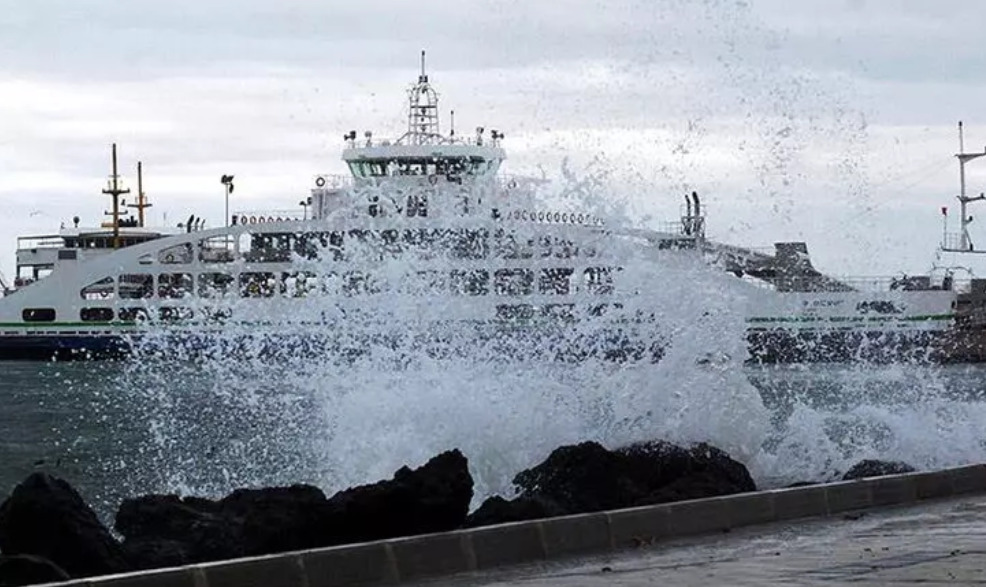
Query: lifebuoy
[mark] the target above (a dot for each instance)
(320, 181)
(581, 218)
(260, 219)
(270, 219)
(523, 214)
(279, 219)
(433, 179)
(512, 184)
(541, 216)
(253, 220)
(169, 258)
(564, 217)
(557, 217)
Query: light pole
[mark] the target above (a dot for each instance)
(227, 180)
(304, 207)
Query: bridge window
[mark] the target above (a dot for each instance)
(136, 286)
(104, 289)
(556, 281)
(96, 314)
(38, 314)
(175, 285)
(417, 205)
(513, 282)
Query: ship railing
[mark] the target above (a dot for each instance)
(40, 242)
(867, 284)
(268, 216)
(332, 181)
(470, 141)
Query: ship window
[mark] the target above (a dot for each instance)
(513, 282)
(514, 311)
(175, 285)
(132, 314)
(68, 255)
(562, 311)
(96, 314)
(136, 286)
(175, 314)
(38, 314)
(425, 282)
(554, 281)
(599, 280)
(474, 283)
(104, 289)
(468, 244)
(217, 249)
(417, 205)
(178, 254)
(258, 285)
(374, 205)
(215, 285)
(299, 285)
(357, 283)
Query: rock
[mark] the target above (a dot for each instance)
(432, 498)
(587, 478)
(25, 569)
(46, 517)
(876, 468)
(496, 510)
(279, 519)
(165, 530)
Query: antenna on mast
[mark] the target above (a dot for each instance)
(423, 79)
(452, 123)
(141, 199)
(113, 189)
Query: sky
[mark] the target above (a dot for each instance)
(826, 121)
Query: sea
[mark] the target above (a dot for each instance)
(115, 429)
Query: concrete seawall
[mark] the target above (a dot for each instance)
(395, 561)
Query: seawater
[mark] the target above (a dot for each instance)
(115, 435)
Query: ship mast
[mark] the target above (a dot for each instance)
(141, 198)
(422, 117)
(113, 189)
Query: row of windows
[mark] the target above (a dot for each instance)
(472, 244)
(263, 284)
(446, 166)
(124, 314)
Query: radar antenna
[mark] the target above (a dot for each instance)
(422, 118)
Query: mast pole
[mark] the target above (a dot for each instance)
(114, 190)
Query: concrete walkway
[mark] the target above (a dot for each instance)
(932, 544)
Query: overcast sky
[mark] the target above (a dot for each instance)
(830, 121)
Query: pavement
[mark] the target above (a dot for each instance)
(935, 543)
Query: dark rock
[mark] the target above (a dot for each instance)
(875, 468)
(279, 519)
(46, 517)
(154, 525)
(165, 530)
(587, 478)
(432, 498)
(25, 569)
(496, 510)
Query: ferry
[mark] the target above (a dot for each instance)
(426, 229)
(424, 225)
